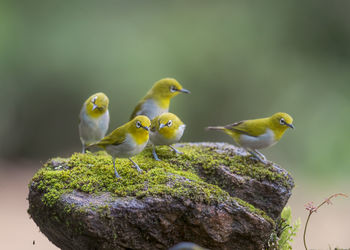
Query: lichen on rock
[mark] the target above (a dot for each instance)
(208, 182)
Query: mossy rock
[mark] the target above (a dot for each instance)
(212, 194)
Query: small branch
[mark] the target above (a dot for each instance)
(313, 209)
(304, 236)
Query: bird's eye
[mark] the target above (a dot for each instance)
(138, 124)
(282, 121)
(170, 122)
(173, 89)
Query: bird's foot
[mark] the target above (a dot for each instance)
(259, 157)
(155, 156)
(117, 175)
(115, 172)
(254, 158)
(138, 169)
(136, 166)
(175, 150)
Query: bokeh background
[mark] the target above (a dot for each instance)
(240, 59)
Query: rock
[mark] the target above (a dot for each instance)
(213, 195)
(267, 188)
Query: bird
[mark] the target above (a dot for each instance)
(157, 99)
(187, 246)
(166, 129)
(258, 133)
(126, 141)
(93, 119)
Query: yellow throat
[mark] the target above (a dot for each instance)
(137, 129)
(163, 90)
(167, 124)
(276, 125)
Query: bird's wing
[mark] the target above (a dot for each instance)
(248, 127)
(136, 109)
(116, 137)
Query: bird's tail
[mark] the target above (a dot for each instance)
(90, 145)
(215, 128)
(93, 147)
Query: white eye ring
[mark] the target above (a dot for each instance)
(170, 122)
(282, 121)
(138, 124)
(173, 89)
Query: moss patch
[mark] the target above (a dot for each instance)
(254, 210)
(93, 173)
(177, 175)
(209, 159)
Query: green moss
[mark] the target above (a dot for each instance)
(178, 175)
(104, 212)
(209, 159)
(254, 210)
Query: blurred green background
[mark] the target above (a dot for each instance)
(240, 59)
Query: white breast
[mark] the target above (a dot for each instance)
(126, 149)
(180, 132)
(92, 130)
(263, 141)
(157, 139)
(151, 109)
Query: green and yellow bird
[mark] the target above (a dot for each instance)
(157, 99)
(166, 129)
(93, 119)
(127, 140)
(259, 133)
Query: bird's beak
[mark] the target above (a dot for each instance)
(145, 128)
(161, 126)
(290, 125)
(94, 106)
(184, 91)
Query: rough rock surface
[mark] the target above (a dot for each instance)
(267, 194)
(213, 195)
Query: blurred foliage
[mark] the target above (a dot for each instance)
(285, 231)
(240, 59)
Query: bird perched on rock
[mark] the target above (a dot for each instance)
(259, 133)
(157, 99)
(166, 129)
(94, 119)
(127, 140)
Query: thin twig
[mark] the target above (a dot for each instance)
(312, 209)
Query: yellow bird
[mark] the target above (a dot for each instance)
(259, 133)
(157, 99)
(94, 119)
(127, 140)
(166, 129)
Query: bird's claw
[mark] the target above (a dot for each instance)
(255, 158)
(138, 169)
(175, 150)
(258, 159)
(117, 175)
